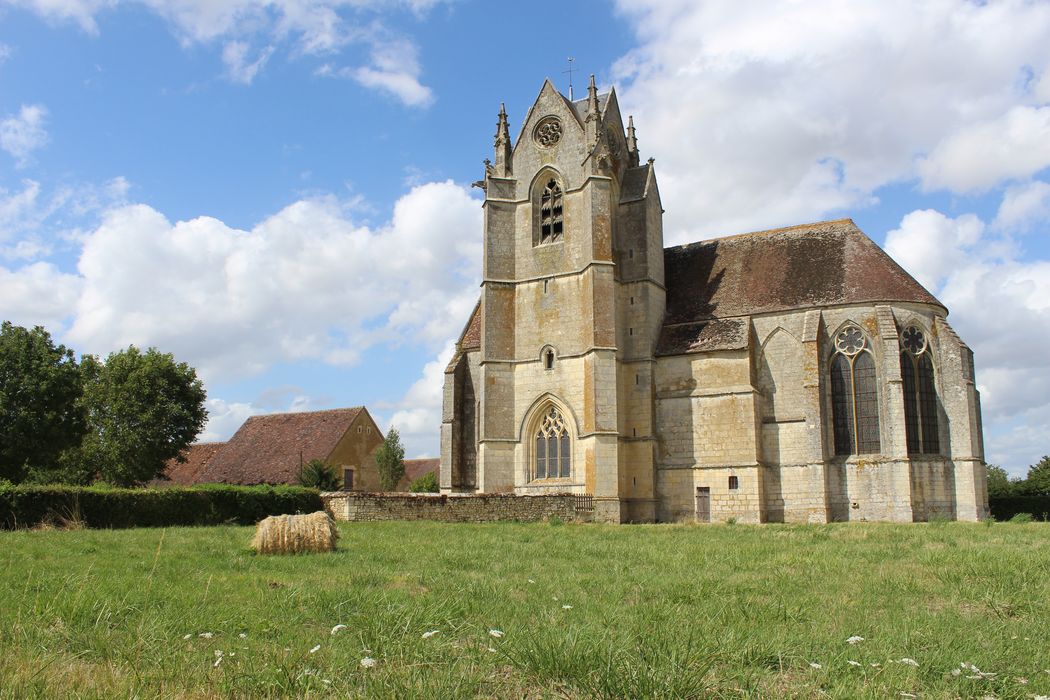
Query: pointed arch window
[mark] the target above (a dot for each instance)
(920, 393)
(854, 394)
(551, 213)
(553, 447)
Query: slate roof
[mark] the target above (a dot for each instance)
(268, 449)
(186, 473)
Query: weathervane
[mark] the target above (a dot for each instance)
(571, 59)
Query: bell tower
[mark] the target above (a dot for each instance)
(571, 302)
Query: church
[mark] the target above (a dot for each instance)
(791, 375)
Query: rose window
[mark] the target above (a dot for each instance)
(850, 341)
(548, 132)
(913, 340)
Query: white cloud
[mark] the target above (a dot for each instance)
(306, 283)
(23, 133)
(395, 70)
(1024, 206)
(310, 27)
(979, 156)
(38, 294)
(238, 67)
(418, 417)
(5, 52)
(224, 418)
(776, 114)
(1000, 305)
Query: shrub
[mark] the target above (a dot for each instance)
(1005, 507)
(1022, 518)
(318, 474)
(106, 507)
(426, 483)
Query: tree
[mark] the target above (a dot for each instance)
(999, 483)
(40, 385)
(142, 410)
(390, 460)
(1038, 480)
(318, 474)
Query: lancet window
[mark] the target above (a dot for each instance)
(854, 394)
(551, 213)
(920, 393)
(553, 447)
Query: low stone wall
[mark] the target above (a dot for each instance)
(455, 508)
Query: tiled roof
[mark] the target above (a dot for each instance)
(829, 263)
(269, 449)
(415, 468)
(186, 473)
(469, 339)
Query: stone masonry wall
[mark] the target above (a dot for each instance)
(458, 508)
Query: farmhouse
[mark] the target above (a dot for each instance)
(271, 449)
(795, 375)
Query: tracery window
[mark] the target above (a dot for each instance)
(551, 213)
(854, 394)
(553, 459)
(920, 394)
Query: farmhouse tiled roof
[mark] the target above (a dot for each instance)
(829, 263)
(415, 468)
(186, 473)
(270, 449)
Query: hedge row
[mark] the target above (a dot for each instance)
(105, 507)
(1006, 507)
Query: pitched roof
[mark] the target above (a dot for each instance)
(469, 339)
(415, 468)
(186, 473)
(829, 263)
(269, 449)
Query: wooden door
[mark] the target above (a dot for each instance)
(703, 504)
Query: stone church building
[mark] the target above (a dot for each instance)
(792, 375)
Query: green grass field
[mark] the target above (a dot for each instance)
(585, 611)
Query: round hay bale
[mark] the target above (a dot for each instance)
(291, 534)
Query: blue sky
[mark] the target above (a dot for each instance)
(279, 192)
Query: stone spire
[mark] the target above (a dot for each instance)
(632, 144)
(593, 122)
(502, 143)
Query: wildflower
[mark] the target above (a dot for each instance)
(531, 581)
(205, 635)
(492, 650)
(368, 662)
(315, 649)
(187, 636)
(814, 665)
(243, 635)
(337, 629)
(855, 640)
(876, 665)
(431, 633)
(854, 663)
(496, 633)
(1022, 681)
(218, 652)
(218, 658)
(956, 672)
(566, 607)
(909, 662)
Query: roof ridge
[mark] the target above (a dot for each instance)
(767, 232)
(305, 413)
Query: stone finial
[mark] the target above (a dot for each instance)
(502, 143)
(593, 121)
(632, 143)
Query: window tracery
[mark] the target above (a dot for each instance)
(551, 213)
(553, 455)
(920, 393)
(854, 394)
